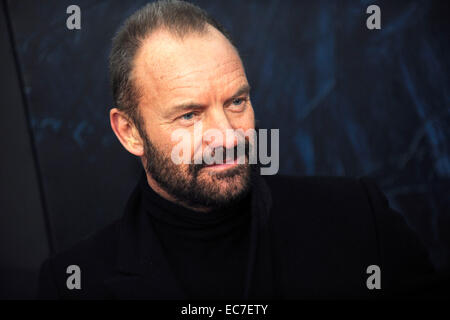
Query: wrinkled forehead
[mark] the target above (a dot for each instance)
(165, 63)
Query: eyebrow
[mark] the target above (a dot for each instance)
(245, 89)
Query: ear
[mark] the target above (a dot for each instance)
(126, 132)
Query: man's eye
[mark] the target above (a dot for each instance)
(238, 101)
(188, 116)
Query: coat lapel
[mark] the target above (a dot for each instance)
(143, 270)
(260, 271)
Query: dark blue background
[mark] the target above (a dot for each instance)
(347, 100)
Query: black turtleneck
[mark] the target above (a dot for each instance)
(208, 251)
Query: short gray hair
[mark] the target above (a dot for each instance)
(179, 17)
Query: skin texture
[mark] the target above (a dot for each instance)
(200, 69)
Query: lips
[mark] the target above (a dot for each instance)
(225, 163)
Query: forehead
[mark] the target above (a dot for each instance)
(166, 64)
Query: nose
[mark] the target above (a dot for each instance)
(219, 124)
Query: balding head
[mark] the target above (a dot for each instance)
(169, 71)
(177, 17)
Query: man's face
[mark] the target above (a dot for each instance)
(184, 83)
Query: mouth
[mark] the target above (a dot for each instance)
(229, 163)
(222, 166)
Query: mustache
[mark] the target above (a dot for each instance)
(196, 167)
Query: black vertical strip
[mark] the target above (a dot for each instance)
(26, 109)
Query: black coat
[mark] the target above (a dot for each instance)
(312, 237)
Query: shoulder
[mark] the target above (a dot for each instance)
(94, 257)
(100, 245)
(320, 193)
(338, 183)
(348, 203)
(351, 218)
(330, 207)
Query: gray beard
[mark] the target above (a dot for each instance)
(186, 187)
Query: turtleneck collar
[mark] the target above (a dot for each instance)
(191, 222)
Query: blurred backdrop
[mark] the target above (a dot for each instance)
(348, 101)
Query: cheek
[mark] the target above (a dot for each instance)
(182, 143)
(247, 120)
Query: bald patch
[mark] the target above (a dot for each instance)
(166, 62)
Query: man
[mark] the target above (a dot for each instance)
(222, 230)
